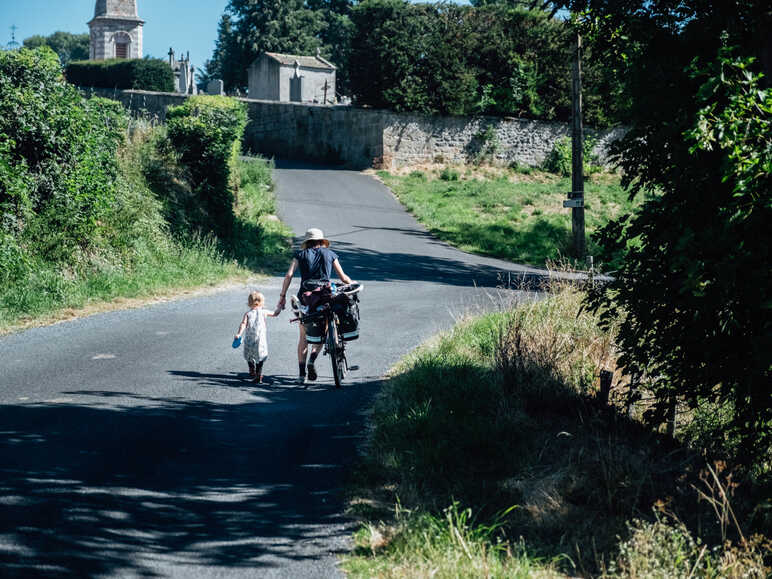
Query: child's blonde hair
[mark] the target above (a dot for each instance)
(255, 299)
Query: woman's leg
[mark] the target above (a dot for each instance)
(302, 353)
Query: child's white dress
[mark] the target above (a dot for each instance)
(255, 336)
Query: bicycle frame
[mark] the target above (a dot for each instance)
(334, 344)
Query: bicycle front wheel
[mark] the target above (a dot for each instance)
(335, 349)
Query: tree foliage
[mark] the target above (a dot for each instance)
(251, 27)
(693, 291)
(57, 156)
(66, 45)
(490, 59)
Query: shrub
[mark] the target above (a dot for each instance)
(448, 174)
(206, 131)
(693, 287)
(559, 160)
(57, 155)
(143, 74)
(668, 549)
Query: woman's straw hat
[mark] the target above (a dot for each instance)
(314, 234)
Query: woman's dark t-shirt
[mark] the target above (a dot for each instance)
(315, 263)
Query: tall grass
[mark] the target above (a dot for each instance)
(499, 416)
(506, 214)
(450, 544)
(260, 239)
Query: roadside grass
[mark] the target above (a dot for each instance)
(260, 240)
(489, 456)
(506, 213)
(146, 247)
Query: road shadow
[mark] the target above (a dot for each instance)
(107, 489)
(370, 265)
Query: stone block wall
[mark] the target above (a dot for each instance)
(340, 135)
(361, 138)
(415, 139)
(140, 102)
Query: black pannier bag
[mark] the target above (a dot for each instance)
(347, 309)
(314, 329)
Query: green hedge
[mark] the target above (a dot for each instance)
(206, 131)
(146, 74)
(57, 160)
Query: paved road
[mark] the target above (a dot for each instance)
(132, 446)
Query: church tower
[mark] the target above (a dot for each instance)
(116, 30)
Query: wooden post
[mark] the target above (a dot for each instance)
(577, 152)
(632, 394)
(605, 386)
(671, 417)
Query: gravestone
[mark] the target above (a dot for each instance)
(215, 86)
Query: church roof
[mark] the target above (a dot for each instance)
(304, 61)
(116, 10)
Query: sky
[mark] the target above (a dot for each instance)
(185, 25)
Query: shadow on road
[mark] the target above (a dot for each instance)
(370, 265)
(106, 489)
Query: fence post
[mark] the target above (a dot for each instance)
(671, 416)
(633, 391)
(605, 386)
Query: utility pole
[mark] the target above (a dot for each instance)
(576, 196)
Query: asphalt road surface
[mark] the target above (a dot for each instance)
(132, 446)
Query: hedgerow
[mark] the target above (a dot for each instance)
(206, 131)
(151, 74)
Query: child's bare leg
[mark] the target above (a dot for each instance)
(259, 372)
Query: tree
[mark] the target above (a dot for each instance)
(250, 27)
(68, 46)
(545, 6)
(693, 290)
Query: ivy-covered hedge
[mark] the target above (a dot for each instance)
(145, 74)
(58, 169)
(206, 131)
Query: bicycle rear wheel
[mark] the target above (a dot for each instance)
(335, 349)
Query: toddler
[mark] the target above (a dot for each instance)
(255, 339)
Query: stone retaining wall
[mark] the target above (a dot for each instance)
(361, 138)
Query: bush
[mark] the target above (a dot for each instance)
(57, 155)
(448, 174)
(559, 160)
(668, 549)
(206, 131)
(151, 74)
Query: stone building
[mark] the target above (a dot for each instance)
(292, 78)
(115, 30)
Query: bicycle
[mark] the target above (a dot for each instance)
(325, 321)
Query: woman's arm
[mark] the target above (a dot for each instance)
(242, 326)
(286, 284)
(339, 270)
